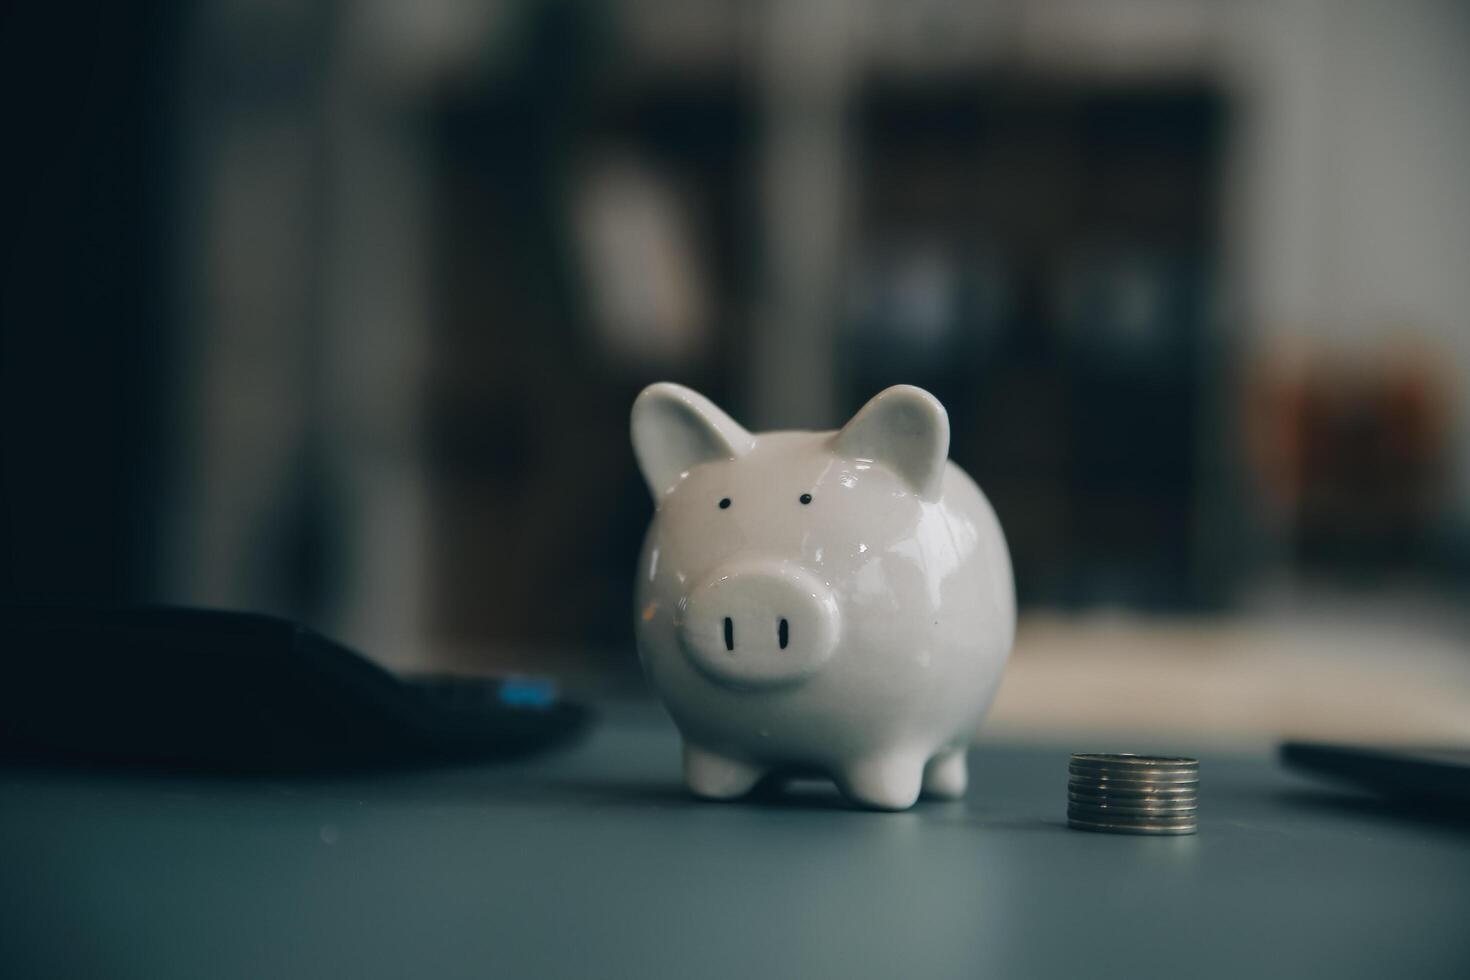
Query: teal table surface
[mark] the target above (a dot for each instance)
(593, 863)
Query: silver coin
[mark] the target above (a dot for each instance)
(1080, 762)
(1163, 816)
(1141, 775)
(1133, 787)
(1132, 812)
(1120, 772)
(1087, 816)
(1135, 804)
(1150, 792)
(1128, 760)
(1152, 779)
(1098, 772)
(1132, 783)
(1140, 806)
(1114, 827)
(1120, 827)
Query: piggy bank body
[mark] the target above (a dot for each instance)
(833, 603)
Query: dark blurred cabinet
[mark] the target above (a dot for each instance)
(1042, 255)
(537, 510)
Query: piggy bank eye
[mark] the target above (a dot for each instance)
(806, 498)
(724, 503)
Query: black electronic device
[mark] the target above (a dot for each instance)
(228, 691)
(1438, 775)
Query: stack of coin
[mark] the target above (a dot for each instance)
(1133, 794)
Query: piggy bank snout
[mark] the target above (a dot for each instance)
(760, 624)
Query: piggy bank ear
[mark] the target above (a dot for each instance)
(675, 429)
(904, 428)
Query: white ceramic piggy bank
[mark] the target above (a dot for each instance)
(837, 603)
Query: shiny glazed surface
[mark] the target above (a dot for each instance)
(799, 607)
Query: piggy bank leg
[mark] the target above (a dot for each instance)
(717, 777)
(889, 782)
(946, 776)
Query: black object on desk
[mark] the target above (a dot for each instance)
(1421, 775)
(244, 692)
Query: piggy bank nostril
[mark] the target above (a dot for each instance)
(786, 619)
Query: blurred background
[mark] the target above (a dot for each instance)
(336, 310)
